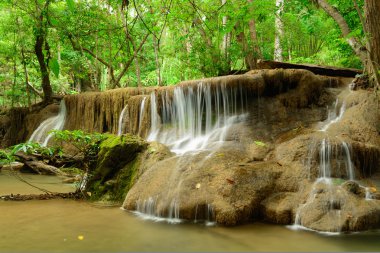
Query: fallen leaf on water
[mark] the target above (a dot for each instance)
(260, 143)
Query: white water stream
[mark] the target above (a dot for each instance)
(122, 120)
(195, 118)
(141, 114)
(190, 120)
(41, 134)
(329, 152)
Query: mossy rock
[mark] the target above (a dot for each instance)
(115, 152)
(116, 167)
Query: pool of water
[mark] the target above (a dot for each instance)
(78, 226)
(11, 182)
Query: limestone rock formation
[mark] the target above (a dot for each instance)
(304, 150)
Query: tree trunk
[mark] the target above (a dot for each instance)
(138, 72)
(26, 77)
(38, 49)
(249, 59)
(226, 39)
(255, 53)
(45, 83)
(372, 8)
(157, 60)
(279, 31)
(358, 48)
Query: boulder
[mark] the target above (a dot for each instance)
(117, 163)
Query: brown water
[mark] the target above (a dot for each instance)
(9, 183)
(76, 226)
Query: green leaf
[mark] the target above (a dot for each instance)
(71, 5)
(54, 66)
(54, 21)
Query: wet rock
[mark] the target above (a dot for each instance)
(353, 187)
(117, 166)
(278, 208)
(257, 151)
(16, 166)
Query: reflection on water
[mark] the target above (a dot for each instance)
(10, 184)
(73, 226)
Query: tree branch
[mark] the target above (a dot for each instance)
(126, 66)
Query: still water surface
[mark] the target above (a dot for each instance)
(77, 226)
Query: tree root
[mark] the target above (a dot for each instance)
(45, 196)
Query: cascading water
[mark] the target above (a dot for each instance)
(141, 114)
(195, 117)
(155, 121)
(189, 120)
(333, 116)
(41, 134)
(334, 163)
(122, 120)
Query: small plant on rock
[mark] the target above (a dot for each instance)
(34, 148)
(87, 144)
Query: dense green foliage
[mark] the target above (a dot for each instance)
(85, 144)
(98, 45)
(33, 148)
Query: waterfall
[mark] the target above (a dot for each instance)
(325, 160)
(368, 194)
(194, 117)
(154, 118)
(210, 215)
(349, 166)
(332, 154)
(189, 119)
(141, 114)
(121, 121)
(147, 210)
(173, 216)
(41, 134)
(333, 117)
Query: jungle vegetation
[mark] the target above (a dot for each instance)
(56, 47)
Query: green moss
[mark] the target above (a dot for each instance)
(115, 153)
(338, 181)
(116, 168)
(125, 180)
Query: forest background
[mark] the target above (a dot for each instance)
(50, 47)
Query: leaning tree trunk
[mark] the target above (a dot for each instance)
(45, 83)
(254, 52)
(38, 49)
(279, 31)
(358, 48)
(226, 41)
(372, 8)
